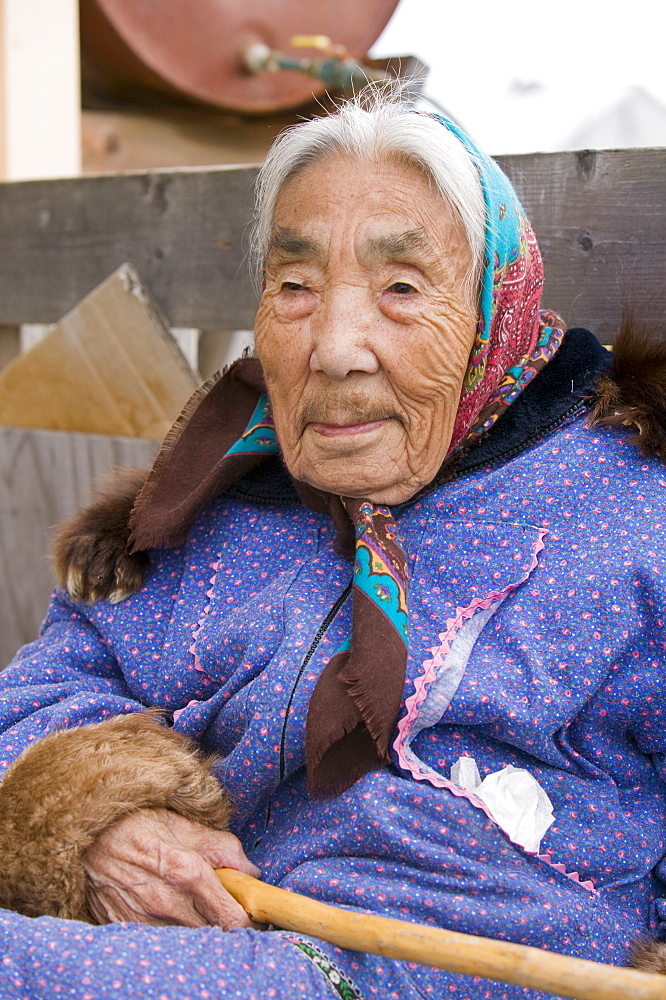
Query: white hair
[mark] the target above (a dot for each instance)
(384, 130)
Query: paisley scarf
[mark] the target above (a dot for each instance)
(227, 429)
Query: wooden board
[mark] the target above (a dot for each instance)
(110, 366)
(600, 217)
(44, 477)
(182, 230)
(10, 344)
(173, 137)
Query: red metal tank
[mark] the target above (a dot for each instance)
(192, 48)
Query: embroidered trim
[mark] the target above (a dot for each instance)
(431, 667)
(453, 626)
(408, 759)
(574, 876)
(342, 986)
(200, 624)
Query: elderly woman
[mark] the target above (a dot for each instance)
(399, 588)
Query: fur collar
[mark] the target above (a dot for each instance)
(632, 393)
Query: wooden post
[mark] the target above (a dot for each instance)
(218, 348)
(40, 116)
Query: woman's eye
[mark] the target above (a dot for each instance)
(401, 288)
(292, 286)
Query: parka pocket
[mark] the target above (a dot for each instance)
(464, 572)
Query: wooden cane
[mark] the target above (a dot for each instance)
(574, 978)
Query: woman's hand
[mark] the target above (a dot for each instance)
(156, 867)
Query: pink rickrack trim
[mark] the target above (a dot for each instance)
(411, 763)
(421, 773)
(574, 876)
(200, 624)
(453, 625)
(179, 711)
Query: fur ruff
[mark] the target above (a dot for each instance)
(70, 786)
(89, 552)
(648, 955)
(633, 392)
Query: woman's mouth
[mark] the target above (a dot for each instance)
(347, 430)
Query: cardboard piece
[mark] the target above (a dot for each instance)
(110, 366)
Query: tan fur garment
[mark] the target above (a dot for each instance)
(67, 788)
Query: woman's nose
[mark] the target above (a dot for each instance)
(343, 335)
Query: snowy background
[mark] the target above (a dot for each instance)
(541, 76)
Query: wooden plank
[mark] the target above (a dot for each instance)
(44, 477)
(168, 137)
(182, 230)
(109, 366)
(600, 217)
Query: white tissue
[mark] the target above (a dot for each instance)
(515, 800)
(465, 774)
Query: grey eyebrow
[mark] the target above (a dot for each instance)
(287, 244)
(404, 244)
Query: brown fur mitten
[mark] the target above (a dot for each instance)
(648, 955)
(72, 785)
(89, 552)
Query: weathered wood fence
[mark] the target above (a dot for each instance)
(600, 218)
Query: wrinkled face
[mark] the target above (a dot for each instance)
(365, 327)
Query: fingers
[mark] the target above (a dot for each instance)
(186, 872)
(218, 848)
(156, 867)
(223, 850)
(214, 903)
(186, 892)
(151, 902)
(212, 849)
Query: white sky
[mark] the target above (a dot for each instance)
(523, 77)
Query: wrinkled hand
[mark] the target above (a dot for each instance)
(156, 867)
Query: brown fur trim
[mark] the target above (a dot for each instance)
(648, 955)
(633, 392)
(89, 551)
(70, 786)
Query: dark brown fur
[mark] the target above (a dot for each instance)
(72, 785)
(648, 955)
(633, 393)
(89, 552)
